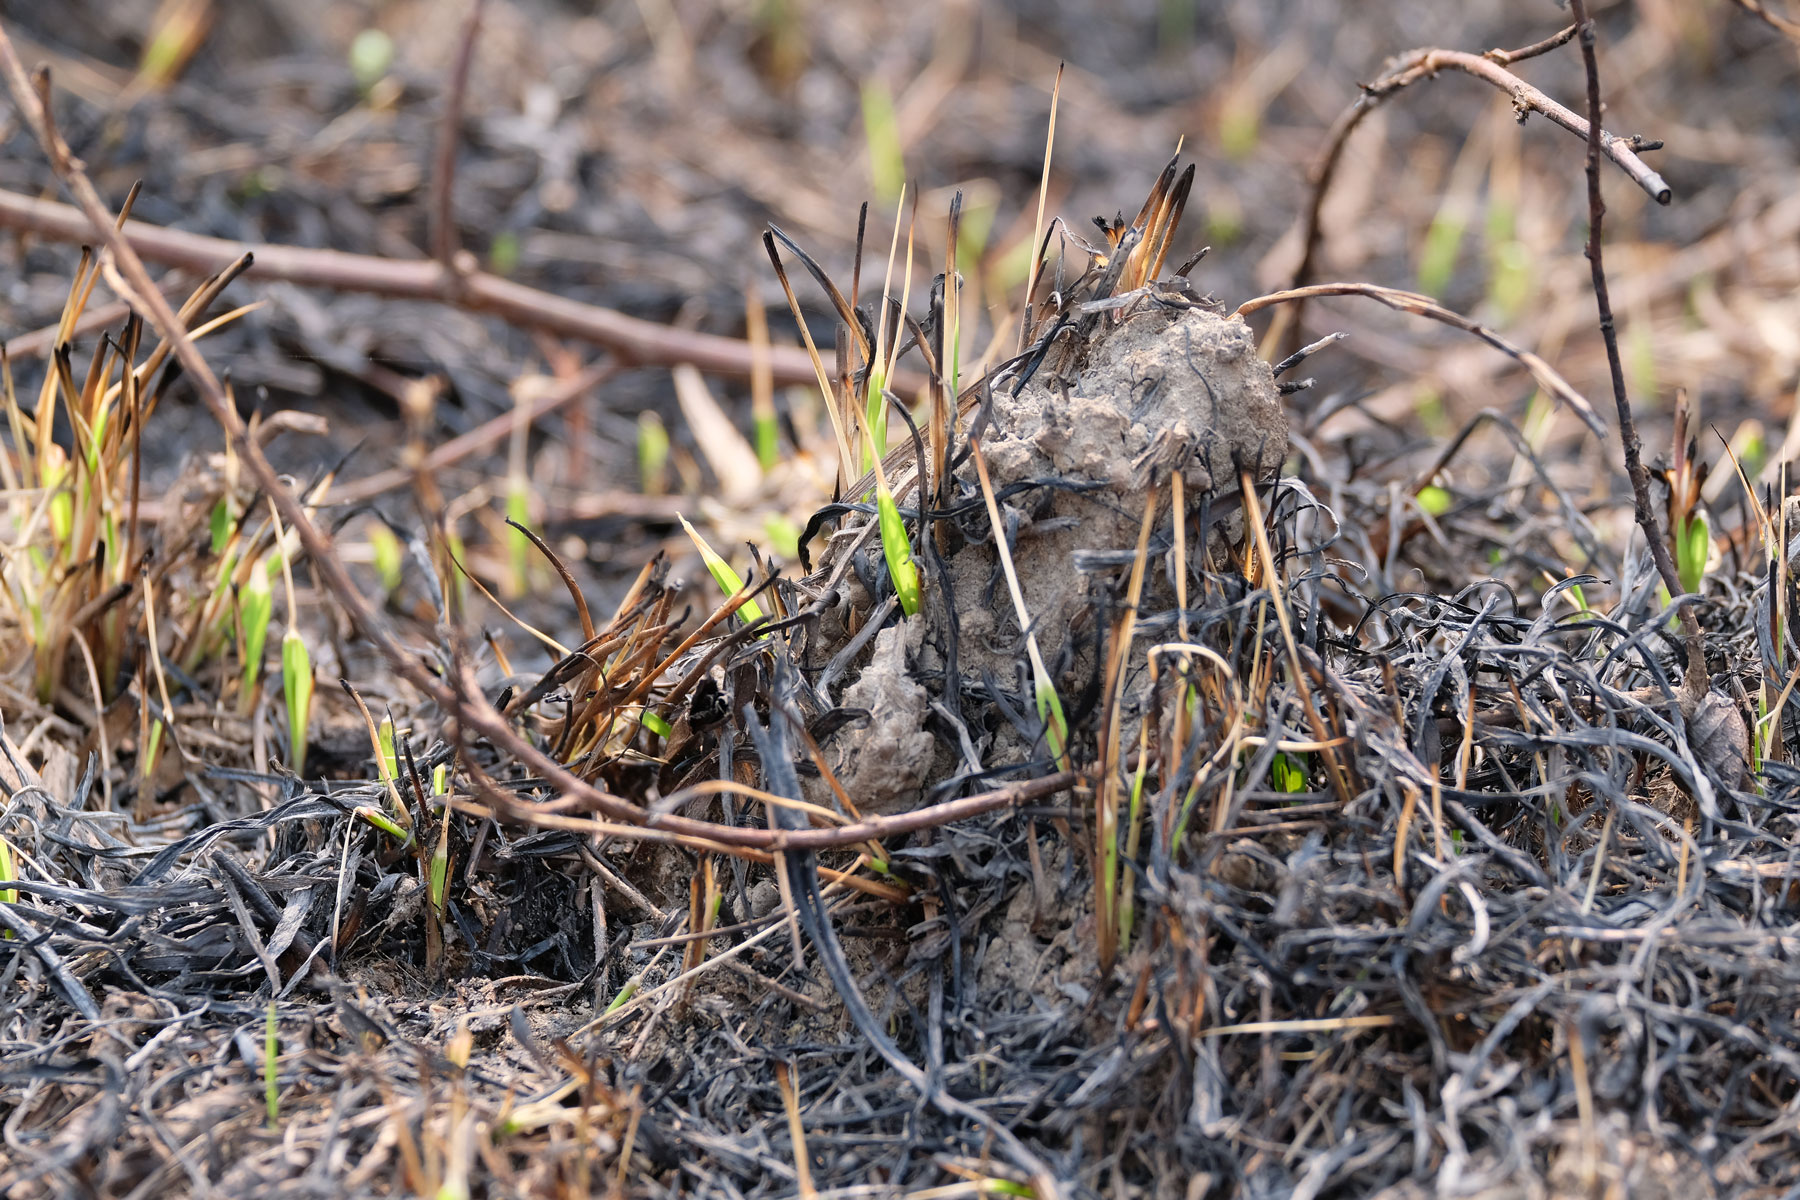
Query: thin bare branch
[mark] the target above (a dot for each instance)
(1508, 57)
(1695, 686)
(1785, 25)
(1426, 63)
(633, 339)
(1424, 306)
(443, 171)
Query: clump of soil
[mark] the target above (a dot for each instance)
(1163, 390)
(1074, 455)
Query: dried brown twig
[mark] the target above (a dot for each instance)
(488, 434)
(1785, 25)
(1424, 306)
(1695, 685)
(443, 171)
(1426, 63)
(461, 695)
(635, 340)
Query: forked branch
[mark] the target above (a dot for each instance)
(1426, 63)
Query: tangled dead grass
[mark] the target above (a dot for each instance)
(1223, 863)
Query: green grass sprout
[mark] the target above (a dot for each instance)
(221, 525)
(1287, 773)
(256, 605)
(297, 690)
(296, 662)
(1443, 244)
(389, 759)
(729, 581)
(381, 821)
(1693, 546)
(271, 1076)
(653, 454)
(887, 166)
(7, 869)
(1434, 500)
(371, 54)
(898, 552)
(387, 555)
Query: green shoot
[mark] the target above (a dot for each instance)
(171, 46)
(256, 604)
(898, 551)
(887, 167)
(1687, 516)
(386, 553)
(387, 762)
(1510, 280)
(271, 1077)
(896, 547)
(1240, 126)
(297, 689)
(503, 252)
(7, 869)
(389, 759)
(371, 54)
(657, 724)
(1225, 221)
(381, 821)
(1443, 243)
(62, 501)
(1175, 24)
(1693, 545)
(438, 873)
(1640, 356)
(783, 535)
(625, 993)
(729, 581)
(1434, 500)
(1050, 710)
(881, 366)
(1287, 773)
(1126, 899)
(296, 661)
(653, 454)
(221, 525)
(518, 546)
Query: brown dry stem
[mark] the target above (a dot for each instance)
(441, 214)
(1413, 303)
(1694, 686)
(635, 340)
(1426, 63)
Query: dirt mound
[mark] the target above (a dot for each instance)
(1074, 454)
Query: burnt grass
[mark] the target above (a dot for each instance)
(1377, 855)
